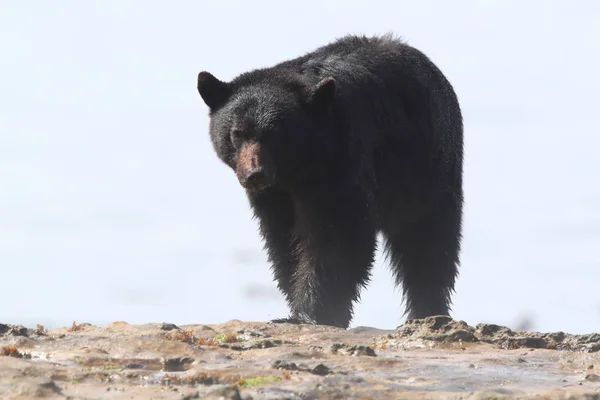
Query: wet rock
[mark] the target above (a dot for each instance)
(249, 333)
(35, 387)
(279, 364)
(344, 349)
(176, 364)
(558, 337)
(443, 329)
(508, 339)
(316, 348)
(492, 331)
(592, 378)
(331, 388)
(168, 327)
(319, 369)
(135, 366)
(14, 330)
(253, 344)
(322, 370)
(280, 394)
(434, 358)
(193, 395)
(438, 329)
(261, 344)
(219, 392)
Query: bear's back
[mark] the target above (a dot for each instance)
(384, 86)
(352, 60)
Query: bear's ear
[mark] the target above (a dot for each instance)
(320, 97)
(213, 91)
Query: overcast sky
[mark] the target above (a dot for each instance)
(114, 206)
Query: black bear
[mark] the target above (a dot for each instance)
(361, 136)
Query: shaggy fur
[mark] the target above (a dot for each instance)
(361, 136)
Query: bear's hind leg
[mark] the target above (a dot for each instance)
(424, 257)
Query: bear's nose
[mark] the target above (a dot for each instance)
(256, 177)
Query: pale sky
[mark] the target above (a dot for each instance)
(113, 205)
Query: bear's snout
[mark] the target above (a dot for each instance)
(251, 170)
(254, 179)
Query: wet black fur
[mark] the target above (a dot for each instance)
(381, 150)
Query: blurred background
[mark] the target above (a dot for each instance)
(113, 205)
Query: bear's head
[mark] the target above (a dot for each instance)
(269, 131)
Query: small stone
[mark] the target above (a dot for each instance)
(193, 395)
(168, 327)
(592, 378)
(17, 330)
(220, 392)
(36, 387)
(362, 351)
(135, 366)
(117, 324)
(249, 333)
(344, 349)
(280, 364)
(321, 370)
(206, 328)
(176, 364)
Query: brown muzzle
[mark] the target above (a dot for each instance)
(250, 169)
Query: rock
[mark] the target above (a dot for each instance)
(437, 329)
(321, 369)
(14, 330)
(250, 333)
(135, 366)
(433, 358)
(35, 387)
(341, 348)
(168, 327)
(443, 329)
(592, 378)
(176, 364)
(279, 364)
(281, 394)
(219, 392)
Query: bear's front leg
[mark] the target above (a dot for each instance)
(274, 210)
(336, 231)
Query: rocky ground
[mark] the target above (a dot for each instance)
(432, 358)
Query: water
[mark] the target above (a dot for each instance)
(113, 205)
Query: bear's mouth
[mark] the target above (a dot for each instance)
(255, 187)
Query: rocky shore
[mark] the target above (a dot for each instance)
(433, 358)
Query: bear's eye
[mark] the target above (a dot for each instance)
(237, 137)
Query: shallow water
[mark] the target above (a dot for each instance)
(114, 207)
